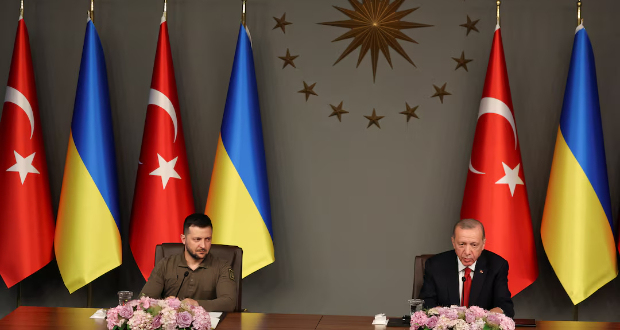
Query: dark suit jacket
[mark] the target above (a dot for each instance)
(489, 287)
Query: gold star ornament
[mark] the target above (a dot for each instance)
(338, 111)
(410, 112)
(288, 59)
(308, 90)
(470, 25)
(462, 62)
(281, 23)
(440, 92)
(375, 25)
(374, 119)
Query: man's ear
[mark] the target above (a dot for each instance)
(183, 238)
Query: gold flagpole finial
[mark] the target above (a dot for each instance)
(92, 10)
(243, 12)
(21, 9)
(165, 9)
(579, 19)
(498, 4)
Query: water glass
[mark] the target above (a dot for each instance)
(124, 297)
(416, 305)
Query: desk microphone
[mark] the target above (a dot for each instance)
(185, 276)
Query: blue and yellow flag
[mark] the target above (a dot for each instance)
(577, 226)
(87, 241)
(238, 201)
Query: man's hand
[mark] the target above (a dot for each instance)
(190, 301)
(497, 310)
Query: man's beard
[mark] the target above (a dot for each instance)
(193, 254)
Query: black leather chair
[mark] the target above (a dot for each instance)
(418, 274)
(230, 253)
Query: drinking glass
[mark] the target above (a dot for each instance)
(124, 297)
(416, 305)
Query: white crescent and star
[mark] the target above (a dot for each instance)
(166, 168)
(23, 166)
(490, 105)
(16, 97)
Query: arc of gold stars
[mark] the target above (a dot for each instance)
(375, 26)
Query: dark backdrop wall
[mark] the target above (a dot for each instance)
(351, 206)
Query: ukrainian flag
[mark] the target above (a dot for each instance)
(238, 201)
(577, 224)
(88, 242)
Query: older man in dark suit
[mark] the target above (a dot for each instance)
(467, 275)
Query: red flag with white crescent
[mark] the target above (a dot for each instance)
(26, 218)
(495, 193)
(163, 194)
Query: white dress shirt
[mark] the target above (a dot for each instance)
(462, 274)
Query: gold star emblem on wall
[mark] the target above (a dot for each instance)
(308, 90)
(410, 112)
(374, 119)
(470, 25)
(375, 25)
(288, 59)
(338, 111)
(462, 61)
(281, 23)
(440, 92)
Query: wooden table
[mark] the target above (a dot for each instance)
(52, 318)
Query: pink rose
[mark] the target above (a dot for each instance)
(156, 322)
(126, 311)
(184, 319)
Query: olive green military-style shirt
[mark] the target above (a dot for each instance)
(211, 284)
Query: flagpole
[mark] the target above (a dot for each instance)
(19, 294)
(243, 2)
(579, 22)
(165, 9)
(499, 2)
(579, 19)
(91, 13)
(21, 9)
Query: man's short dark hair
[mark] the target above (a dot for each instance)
(197, 219)
(468, 224)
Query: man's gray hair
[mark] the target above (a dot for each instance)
(469, 224)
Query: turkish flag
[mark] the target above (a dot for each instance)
(495, 193)
(163, 195)
(26, 218)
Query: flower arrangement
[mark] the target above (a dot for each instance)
(152, 314)
(460, 318)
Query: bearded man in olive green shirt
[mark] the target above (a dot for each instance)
(199, 277)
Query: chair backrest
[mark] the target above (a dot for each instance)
(232, 254)
(418, 275)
